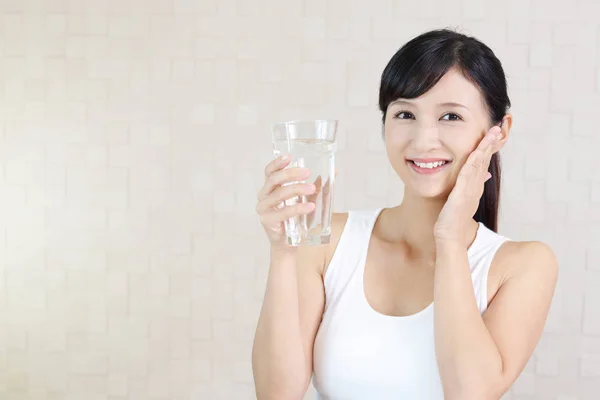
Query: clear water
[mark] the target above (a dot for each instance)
(319, 157)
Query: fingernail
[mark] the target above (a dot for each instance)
(488, 177)
(284, 157)
(497, 131)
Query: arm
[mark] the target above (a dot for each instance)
(288, 323)
(294, 298)
(480, 357)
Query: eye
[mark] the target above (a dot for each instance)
(404, 115)
(453, 117)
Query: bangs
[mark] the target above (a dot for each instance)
(408, 78)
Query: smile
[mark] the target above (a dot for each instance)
(428, 166)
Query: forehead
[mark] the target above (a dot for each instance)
(453, 87)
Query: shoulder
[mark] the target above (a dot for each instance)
(319, 256)
(338, 222)
(519, 259)
(360, 218)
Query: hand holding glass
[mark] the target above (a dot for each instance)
(311, 145)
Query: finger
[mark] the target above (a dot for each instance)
(281, 177)
(496, 135)
(480, 158)
(282, 214)
(327, 188)
(494, 138)
(474, 173)
(313, 199)
(277, 164)
(318, 183)
(474, 162)
(471, 170)
(491, 138)
(284, 193)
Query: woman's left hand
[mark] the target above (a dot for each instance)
(463, 201)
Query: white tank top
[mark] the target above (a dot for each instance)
(360, 354)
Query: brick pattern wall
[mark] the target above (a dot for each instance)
(133, 134)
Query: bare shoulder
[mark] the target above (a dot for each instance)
(316, 258)
(519, 259)
(338, 222)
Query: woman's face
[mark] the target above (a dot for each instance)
(428, 139)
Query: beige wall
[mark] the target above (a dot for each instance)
(133, 134)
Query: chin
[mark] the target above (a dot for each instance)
(431, 192)
(432, 187)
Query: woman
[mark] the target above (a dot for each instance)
(420, 301)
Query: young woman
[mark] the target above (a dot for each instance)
(423, 300)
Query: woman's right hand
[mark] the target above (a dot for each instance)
(272, 197)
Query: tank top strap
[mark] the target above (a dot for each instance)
(481, 254)
(350, 252)
(346, 265)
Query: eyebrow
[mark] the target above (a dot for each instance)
(447, 104)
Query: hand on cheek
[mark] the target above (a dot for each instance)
(463, 201)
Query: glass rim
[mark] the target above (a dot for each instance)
(303, 121)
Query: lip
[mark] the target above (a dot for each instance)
(427, 171)
(428, 160)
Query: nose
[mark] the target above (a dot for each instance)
(425, 139)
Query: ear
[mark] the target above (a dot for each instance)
(505, 126)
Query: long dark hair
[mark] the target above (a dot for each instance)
(422, 62)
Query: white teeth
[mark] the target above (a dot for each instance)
(430, 165)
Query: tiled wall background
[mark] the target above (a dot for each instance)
(133, 134)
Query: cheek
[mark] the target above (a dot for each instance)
(395, 137)
(463, 144)
(396, 142)
(461, 150)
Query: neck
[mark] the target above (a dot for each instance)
(412, 222)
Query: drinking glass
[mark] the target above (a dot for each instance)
(310, 144)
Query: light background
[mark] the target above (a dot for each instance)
(133, 136)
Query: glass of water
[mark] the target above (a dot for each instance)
(310, 144)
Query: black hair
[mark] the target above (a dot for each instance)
(423, 61)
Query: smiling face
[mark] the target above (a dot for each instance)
(428, 139)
